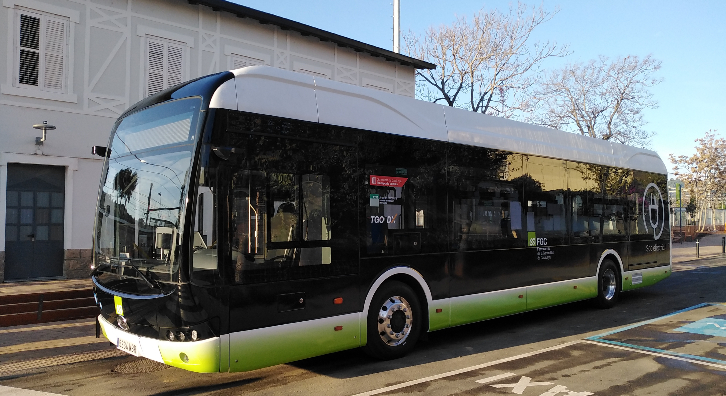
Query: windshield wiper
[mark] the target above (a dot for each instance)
(154, 285)
(98, 268)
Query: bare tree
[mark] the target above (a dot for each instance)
(484, 64)
(703, 173)
(600, 98)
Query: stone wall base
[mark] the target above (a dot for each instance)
(77, 263)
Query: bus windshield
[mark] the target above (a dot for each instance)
(143, 193)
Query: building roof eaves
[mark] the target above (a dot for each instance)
(307, 30)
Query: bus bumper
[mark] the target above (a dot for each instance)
(198, 356)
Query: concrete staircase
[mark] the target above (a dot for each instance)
(42, 307)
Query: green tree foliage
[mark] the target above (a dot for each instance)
(692, 207)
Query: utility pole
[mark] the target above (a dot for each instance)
(397, 26)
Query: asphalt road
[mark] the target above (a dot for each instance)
(544, 352)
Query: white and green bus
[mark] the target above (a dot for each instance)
(260, 216)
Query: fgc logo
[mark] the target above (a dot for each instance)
(653, 210)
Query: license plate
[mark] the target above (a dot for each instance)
(128, 346)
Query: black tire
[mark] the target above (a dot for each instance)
(395, 321)
(608, 285)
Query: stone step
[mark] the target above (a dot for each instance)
(22, 309)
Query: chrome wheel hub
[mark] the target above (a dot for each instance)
(609, 284)
(395, 320)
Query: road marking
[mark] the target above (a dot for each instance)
(464, 370)
(525, 382)
(598, 339)
(8, 391)
(643, 323)
(522, 384)
(660, 353)
(58, 360)
(560, 389)
(48, 327)
(34, 346)
(495, 378)
(706, 326)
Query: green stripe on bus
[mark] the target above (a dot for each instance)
(550, 294)
(253, 349)
(650, 277)
(476, 307)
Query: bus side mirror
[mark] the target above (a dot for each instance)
(101, 151)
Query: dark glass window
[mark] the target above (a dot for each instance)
(487, 192)
(648, 215)
(611, 203)
(285, 207)
(545, 192)
(405, 202)
(584, 185)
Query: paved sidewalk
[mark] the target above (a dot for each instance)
(709, 247)
(37, 346)
(13, 288)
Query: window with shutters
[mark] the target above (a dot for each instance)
(239, 61)
(41, 51)
(165, 63)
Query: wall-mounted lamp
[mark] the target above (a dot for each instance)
(44, 127)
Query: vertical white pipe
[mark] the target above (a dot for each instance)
(397, 26)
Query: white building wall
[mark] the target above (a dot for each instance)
(106, 72)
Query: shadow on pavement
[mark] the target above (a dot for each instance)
(681, 290)
(197, 390)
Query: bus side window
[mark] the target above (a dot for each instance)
(582, 184)
(405, 190)
(397, 211)
(291, 207)
(316, 221)
(611, 204)
(545, 192)
(641, 227)
(487, 197)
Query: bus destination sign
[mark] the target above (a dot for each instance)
(388, 181)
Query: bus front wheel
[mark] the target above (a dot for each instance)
(394, 321)
(608, 285)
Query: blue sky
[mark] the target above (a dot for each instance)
(689, 37)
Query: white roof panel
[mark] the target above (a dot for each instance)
(276, 92)
(364, 108)
(271, 91)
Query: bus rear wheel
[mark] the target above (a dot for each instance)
(394, 321)
(608, 285)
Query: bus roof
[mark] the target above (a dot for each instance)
(271, 91)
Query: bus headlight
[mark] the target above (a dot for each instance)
(186, 334)
(122, 323)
